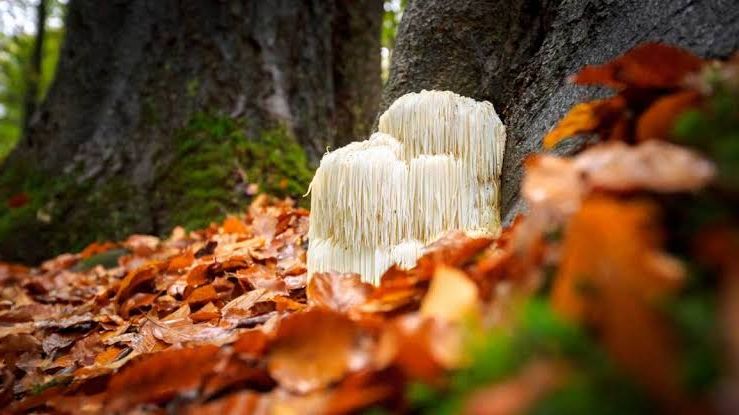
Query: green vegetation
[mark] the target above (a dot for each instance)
(46, 223)
(213, 165)
(593, 385)
(15, 54)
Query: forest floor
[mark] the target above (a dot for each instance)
(617, 292)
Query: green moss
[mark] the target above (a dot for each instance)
(594, 384)
(214, 163)
(62, 214)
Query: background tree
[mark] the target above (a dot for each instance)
(17, 42)
(517, 53)
(163, 113)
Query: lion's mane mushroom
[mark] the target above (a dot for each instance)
(433, 166)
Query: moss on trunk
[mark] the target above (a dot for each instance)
(213, 164)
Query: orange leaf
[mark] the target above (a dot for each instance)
(202, 295)
(135, 279)
(314, 349)
(587, 117)
(160, 376)
(658, 120)
(251, 343)
(207, 313)
(233, 224)
(339, 292)
(649, 65)
(452, 296)
(181, 261)
(612, 276)
(96, 248)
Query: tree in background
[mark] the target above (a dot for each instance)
(166, 113)
(515, 54)
(17, 46)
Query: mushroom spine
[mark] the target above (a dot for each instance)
(434, 166)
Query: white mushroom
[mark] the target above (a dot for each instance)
(433, 167)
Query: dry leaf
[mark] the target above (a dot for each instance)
(315, 348)
(452, 296)
(648, 65)
(587, 117)
(339, 292)
(612, 276)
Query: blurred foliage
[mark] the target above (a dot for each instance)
(593, 383)
(15, 56)
(391, 20)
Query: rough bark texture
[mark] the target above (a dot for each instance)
(137, 76)
(517, 55)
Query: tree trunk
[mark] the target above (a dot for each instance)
(162, 112)
(33, 76)
(517, 54)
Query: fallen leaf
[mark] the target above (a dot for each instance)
(612, 276)
(202, 295)
(136, 279)
(234, 225)
(206, 313)
(159, 377)
(337, 291)
(315, 348)
(452, 296)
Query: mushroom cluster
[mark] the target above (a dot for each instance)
(433, 166)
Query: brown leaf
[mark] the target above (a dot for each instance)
(241, 306)
(314, 349)
(239, 403)
(202, 295)
(612, 276)
(336, 291)
(136, 303)
(648, 65)
(161, 376)
(180, 261)
(587, 117)
(184, 332)
(234, 225)
(265, 225)
(136, 279)
(207, 313)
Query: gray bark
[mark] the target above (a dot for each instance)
(517, 54)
